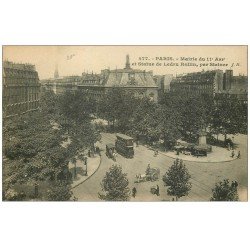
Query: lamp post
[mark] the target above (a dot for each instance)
(86, 164)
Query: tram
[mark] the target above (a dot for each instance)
(124, 145)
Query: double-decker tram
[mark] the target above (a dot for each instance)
(124, 145)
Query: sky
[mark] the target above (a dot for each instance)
(74, 60)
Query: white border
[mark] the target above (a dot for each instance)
(118, 225)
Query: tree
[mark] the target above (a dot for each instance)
(115, 185)
(186, 114)
(117, 106)
(145, 120)
(177, 179)
(32, 146)
(76, 106)
(49, 103)
(74, 161)
(59, 191)
(229, 116)
(223, 191)
(169, 124)
(33, 152)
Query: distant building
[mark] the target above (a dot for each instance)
(205, 82)
(21, 88)
(167, 80)
(238, 88)
(215, 83)
(159, 81)
(163, 83)
(91, 79)
(137, 82)
(61, 84)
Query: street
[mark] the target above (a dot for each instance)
(203, 175)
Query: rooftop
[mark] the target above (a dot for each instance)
(18, 66)
(124, 136)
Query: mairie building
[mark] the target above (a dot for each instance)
(137, 82)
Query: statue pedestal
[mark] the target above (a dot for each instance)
(203, 138)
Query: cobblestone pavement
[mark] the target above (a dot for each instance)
(203, 175)
(218, 154)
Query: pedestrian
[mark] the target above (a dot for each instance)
(134, 191)
(148, 169)
(89, 153)
(114, 156)
(238, 156)
(97, 150)
(157, 190)
(75, 199)
(236, 184)
(232, 155)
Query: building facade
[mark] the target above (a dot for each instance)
(137, 82)
(216, 83)
(205, 82)
(21, 88)
(238, 88)
(61, 84)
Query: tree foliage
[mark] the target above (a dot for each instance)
(116, 106)
(77, 110)
(76, 106)
(145, 119)
(33, 151)
(115, 185)
(177, 179)
(59, 191)
(229, 116)
(224, 191)
(49, 103)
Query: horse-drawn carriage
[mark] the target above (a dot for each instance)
(151, 174)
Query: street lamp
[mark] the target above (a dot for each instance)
(74, 162)
(86, 163)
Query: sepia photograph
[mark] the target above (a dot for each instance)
(125, 123)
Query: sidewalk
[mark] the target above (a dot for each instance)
(93, 164)
(218, 154)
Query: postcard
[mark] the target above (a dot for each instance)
(125, 123)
